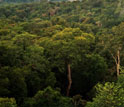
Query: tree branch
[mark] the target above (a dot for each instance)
(113, 57)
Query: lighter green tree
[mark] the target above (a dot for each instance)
(68, 46)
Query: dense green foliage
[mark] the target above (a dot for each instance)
(109, 95)
(48, 98)
(7, 102)
(53, 54)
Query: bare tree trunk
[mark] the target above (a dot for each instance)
(118, 63)
(69, 80)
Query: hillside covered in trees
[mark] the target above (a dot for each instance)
(62, 54)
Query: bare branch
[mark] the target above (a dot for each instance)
(113, 57)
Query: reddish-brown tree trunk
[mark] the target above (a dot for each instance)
(118, 63)
(69, 79)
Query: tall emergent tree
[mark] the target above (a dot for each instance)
(113, 43)
(67, 46)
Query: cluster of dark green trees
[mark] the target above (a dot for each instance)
(29, 1)
(18, 1)
(62, 54)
